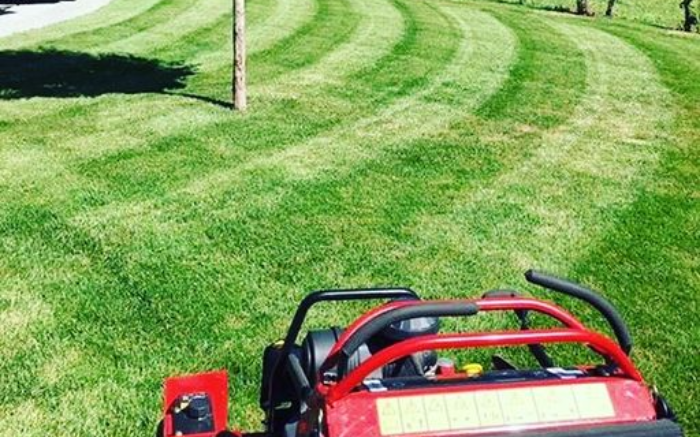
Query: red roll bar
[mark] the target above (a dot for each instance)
(478, 340)
(484, 304)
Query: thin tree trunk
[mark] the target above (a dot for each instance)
(690, 19)
(609, 10)
(240, 100)
(583, 8)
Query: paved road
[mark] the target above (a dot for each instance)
(33, 16)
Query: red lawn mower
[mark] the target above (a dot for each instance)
(382, 376)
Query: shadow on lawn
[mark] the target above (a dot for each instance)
(54, 73)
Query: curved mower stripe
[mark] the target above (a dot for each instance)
(486, 42)
(160, 12)
(526, 217)
(373, 39)
(168, 32)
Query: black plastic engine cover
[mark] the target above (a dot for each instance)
(193, 414)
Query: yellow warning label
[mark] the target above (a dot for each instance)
(389, 416)
(493, 408)
(461, 410)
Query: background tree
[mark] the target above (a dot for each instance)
(583, 7)
(239, 91)
(609, 10)
(690, 20)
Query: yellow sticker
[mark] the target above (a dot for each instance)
(489, 407)
(594, 401)
(461, 410)
(518, 406)
(413, 414)
(389, 416)
(437, 413)
(493, 408)
(555, 403)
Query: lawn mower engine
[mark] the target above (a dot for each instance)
(388, 375)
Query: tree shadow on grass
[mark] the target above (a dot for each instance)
(55, 73)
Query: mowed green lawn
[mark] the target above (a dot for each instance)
(660, 13)
(146, 230)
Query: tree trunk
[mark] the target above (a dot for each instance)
(240, 100)
(583, 8)
(690, 19)
(609, 10)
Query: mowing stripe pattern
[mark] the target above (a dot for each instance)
(146, 230)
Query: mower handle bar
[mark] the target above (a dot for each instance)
(376, 325)
(478, 340)
(354, 337)
(340, 295)
(328, 296)
(604, 307)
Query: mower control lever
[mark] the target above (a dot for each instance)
(299, 379)
(413, 311)
(339, 295)
(622, 333)
(300, 315)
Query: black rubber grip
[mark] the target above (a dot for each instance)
(613, 317)
(423, 309)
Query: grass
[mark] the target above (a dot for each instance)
(664, 14)
(145, 230)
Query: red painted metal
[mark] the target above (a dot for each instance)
(214, 384)
(356, 415)
(524, 303)
(478, 340)
(485, 304)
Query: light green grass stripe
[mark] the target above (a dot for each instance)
(284, 21)
(198, 14)
(187, 36)
(215, 36)
(381, 28)
(22, 310)
(161, 12)
(544, 211)
(287, 18)
(116, 12)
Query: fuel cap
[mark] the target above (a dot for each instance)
(199, 408)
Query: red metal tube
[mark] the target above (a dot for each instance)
(479, 340)
(486, 304)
